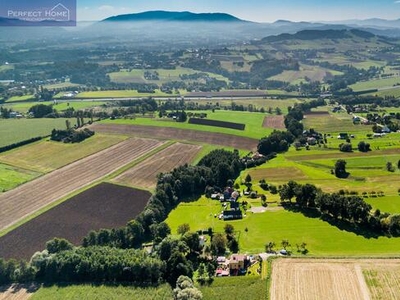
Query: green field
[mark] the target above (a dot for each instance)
(75, 292)
(20, 98)
(375, 84)
(314, 73)
(60, 105)
(235, 288)
(60, 85)
(10, 177)
(137, 75)
(322, 238)
(45, 156)
(16, 130)
(120, 94)
(253, 123)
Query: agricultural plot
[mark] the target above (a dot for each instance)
(144, 174)
(34, 195)
(383, 280)
(106, 292)
(214, 138)
(329, 123)
(313, 73)
(317, 279)
(224, 124)
(46, 156)
(275, 122)
(103, 206)
(10, 177)
(16, 130)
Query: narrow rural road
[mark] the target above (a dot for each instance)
(28, 198)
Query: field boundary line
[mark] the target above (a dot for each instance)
(363, 285)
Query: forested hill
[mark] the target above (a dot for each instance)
(305, 35)
(184, 16)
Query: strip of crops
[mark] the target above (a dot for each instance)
(224, 124)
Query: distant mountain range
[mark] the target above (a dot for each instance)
(320, 34)
(185, 16)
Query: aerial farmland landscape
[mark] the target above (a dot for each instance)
(200, 151)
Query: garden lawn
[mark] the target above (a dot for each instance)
(85, 291)
(322, 238)
(45, 156)
(10, 177)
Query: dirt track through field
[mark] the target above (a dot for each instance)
(32, 196)
(144, 174)
(169, 133)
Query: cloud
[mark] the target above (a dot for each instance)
(397, 2)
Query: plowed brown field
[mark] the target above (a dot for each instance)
(144, 174)
(30, 197)
(179, 134)
(274, 122)
(102, 206)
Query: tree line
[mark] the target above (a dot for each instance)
(340, 207)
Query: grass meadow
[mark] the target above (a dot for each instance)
(276, 224)
(253, 123)
(235, 288)
(45, 156)
(375, 84)
(73, 292)
(137, 75)
(120, 94)
(16, 130)
(10, 177)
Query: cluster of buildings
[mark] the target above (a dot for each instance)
(231, 205)
(236, 264)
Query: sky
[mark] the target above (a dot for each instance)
(252, 10)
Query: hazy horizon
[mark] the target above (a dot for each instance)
(251, 10)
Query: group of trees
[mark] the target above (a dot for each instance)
(348, 207)
(71, 135)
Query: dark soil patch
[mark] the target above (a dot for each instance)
(103, 206)
(216, 123)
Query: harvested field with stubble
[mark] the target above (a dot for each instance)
(34, 195)
(274, 122)
(144, 174)
(335, 279)
(383, 280)
(179, 134)
(17, 291)
(102, 206)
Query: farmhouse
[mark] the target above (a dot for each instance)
(232, 215)
(237, 264)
